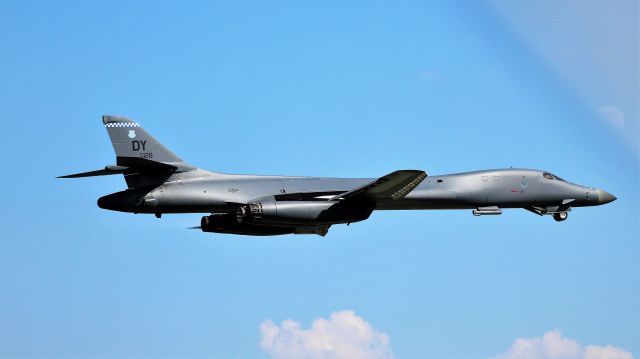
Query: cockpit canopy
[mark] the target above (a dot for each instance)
(551, 176)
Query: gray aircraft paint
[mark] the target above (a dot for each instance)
(160, 182)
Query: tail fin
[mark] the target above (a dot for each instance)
(149, 163)
(139, 156)
(130, 140)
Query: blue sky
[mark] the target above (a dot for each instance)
(328, 89)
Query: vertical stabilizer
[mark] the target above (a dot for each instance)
(131, 141)
(147, 161)
(142, 160)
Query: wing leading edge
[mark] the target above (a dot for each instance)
(395, 185)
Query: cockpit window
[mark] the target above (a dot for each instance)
(550, 176)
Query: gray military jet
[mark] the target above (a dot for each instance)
(160, 182)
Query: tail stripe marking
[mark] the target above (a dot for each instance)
(122, 124)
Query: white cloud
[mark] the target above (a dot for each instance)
(553, 346)
(608, 352)
(342, 335)
(613, 116)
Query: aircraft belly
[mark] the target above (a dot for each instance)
(409, 204)
(427, 199)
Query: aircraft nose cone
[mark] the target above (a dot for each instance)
(605, 197)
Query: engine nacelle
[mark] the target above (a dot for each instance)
(269, 211)
(228, 223)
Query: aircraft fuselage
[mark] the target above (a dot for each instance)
(161, 182)
(207, 192)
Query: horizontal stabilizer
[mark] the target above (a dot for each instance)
(395, 185)
(108, 170)
(126, 166)
(141, 165)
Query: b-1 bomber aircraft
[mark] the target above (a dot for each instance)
(160, 182)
